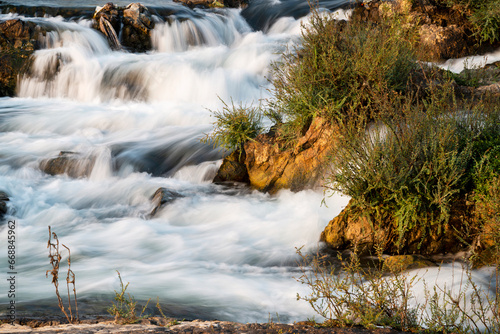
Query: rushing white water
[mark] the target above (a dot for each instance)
(478, 61)
(217, 251)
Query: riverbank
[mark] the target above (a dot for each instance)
(158, 325)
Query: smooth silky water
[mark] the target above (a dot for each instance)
(218, 252)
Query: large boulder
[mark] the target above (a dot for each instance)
(137, 26)
(439, 42)
(371, 229)
(443, 32)
(73, 164)
(271, 167)
(18, 40)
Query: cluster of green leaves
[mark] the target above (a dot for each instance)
(340, 69)
(418, 165)
(484, 16)
(234, 125)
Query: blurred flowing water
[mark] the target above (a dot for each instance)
(218, 252)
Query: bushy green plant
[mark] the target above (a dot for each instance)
(484, 16)
(341, 69)
(234, 125)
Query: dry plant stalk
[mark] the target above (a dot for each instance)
(55, 260)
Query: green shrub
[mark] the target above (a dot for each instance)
(234, 125)
(484, 16)
(341, 69)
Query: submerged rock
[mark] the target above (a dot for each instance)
(70, 163)
(161, 197)
(18, 40)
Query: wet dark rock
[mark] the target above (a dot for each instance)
(73, 164)
(18, 40)
(40, 11)
(4, 198)
(161, 197)
(137, 26)
(233, 169)
(108, 21)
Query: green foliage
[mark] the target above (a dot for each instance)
(486, 20)
(341, 69)
(412, 167)
(234, 125)
(124, 306)
(484, 16)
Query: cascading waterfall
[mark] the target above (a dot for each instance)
(217, 251)
(137, 120)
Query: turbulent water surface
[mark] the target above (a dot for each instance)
(216, 252)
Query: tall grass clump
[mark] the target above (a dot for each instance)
(341, 70)
(234, 125)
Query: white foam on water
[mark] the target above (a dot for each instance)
(459, 64)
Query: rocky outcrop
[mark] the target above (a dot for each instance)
(161, 197)
(365, 230)
(137, 26)
(443, 42)
(444, 32)
(271, 165)
(133, 23)
(107, 19)
(18, 40)
(4, 198)
(73, 164)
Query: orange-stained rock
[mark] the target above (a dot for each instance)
(271, 167)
